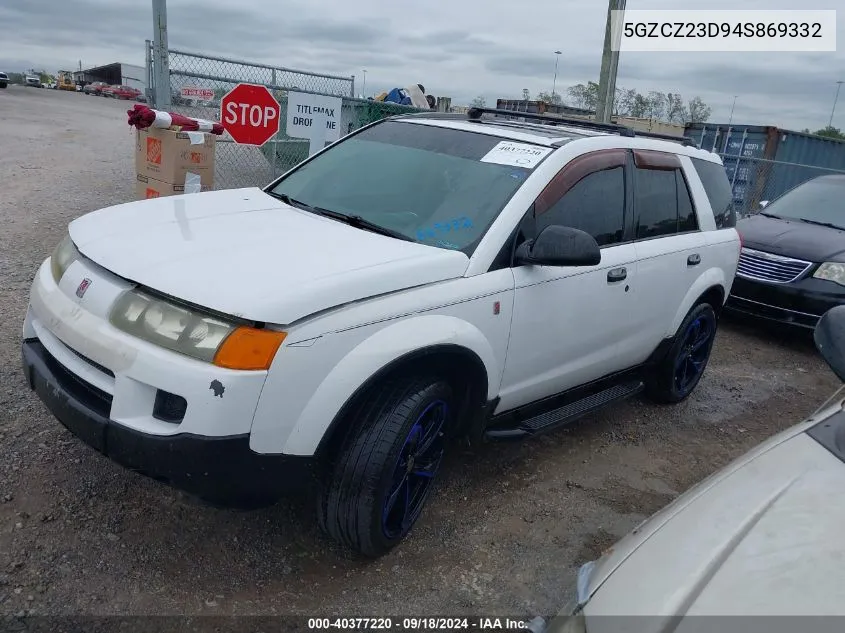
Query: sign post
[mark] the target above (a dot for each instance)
(314, 117)
(250, 114)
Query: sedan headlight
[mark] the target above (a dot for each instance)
(195, 334)
(831, 271)
(63, 256)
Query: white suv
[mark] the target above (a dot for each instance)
(422, 278)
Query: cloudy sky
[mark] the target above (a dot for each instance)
(493, 48)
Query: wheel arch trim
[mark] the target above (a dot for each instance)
(709, 280)
(375, 357)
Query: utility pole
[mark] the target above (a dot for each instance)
(835, 99)
(161, 56)
(609, 65)
(554, 83)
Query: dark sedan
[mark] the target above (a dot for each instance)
(792, 265)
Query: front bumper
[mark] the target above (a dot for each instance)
(220, 470)
(800, 303)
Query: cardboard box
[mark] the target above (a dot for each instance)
(146, 188)
(168, 156)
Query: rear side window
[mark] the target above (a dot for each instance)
(718, 190)
(657, 203)
(663, 201)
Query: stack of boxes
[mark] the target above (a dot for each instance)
(170, 163)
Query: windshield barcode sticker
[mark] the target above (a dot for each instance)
(516, 154)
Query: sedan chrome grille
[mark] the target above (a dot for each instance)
(762, 266)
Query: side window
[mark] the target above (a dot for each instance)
(588, 194)
(661, 196)
(718, 190)
(657, 202)
(687, 220)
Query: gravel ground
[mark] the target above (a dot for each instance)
(511, 522)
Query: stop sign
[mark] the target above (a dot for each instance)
(250, 114)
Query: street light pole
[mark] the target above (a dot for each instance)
(732, 112)
(835, 99)
(364, 86)
(554, 83)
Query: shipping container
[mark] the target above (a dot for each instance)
(764, 162)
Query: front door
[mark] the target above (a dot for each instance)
(569, 322)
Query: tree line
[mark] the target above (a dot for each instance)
(658, 106)
(669, 107)
(829, 131)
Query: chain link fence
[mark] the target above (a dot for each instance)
(244, 165)
(756, 180)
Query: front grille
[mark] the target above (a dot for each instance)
(762, 266)
(86, 393)
(106, 371)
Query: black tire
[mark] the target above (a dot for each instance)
(355, 494)
(668, 384)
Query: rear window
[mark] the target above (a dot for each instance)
(718, 190)
(438, 186)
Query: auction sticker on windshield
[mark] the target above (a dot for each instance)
(516, 154)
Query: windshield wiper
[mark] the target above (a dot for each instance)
(770, 215)
(360, 223)
(352, 220)
(292, 202)
(827, 224)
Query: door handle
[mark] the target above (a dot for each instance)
(617, 274)
(694, 259)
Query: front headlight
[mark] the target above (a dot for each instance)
(62, 257)
(831, 271)
(194, 334)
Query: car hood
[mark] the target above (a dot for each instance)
(246, 254)
(762, 537)
(793, 238)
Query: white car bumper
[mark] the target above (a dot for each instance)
(109, 389)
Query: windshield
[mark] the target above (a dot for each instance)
(818, 200)
(438, 186)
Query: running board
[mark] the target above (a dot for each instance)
(567, 413)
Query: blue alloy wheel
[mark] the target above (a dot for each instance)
(416, 466)
(693, 354)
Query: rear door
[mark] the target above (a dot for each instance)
(671, 249)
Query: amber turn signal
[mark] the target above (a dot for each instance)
(249, 348)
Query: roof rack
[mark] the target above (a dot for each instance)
(475, 114)
(683, 140)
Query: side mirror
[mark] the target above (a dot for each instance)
(829, 336)
(560, 246)
(763, 203)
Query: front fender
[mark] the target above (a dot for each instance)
(708, 279)
(374, 353)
